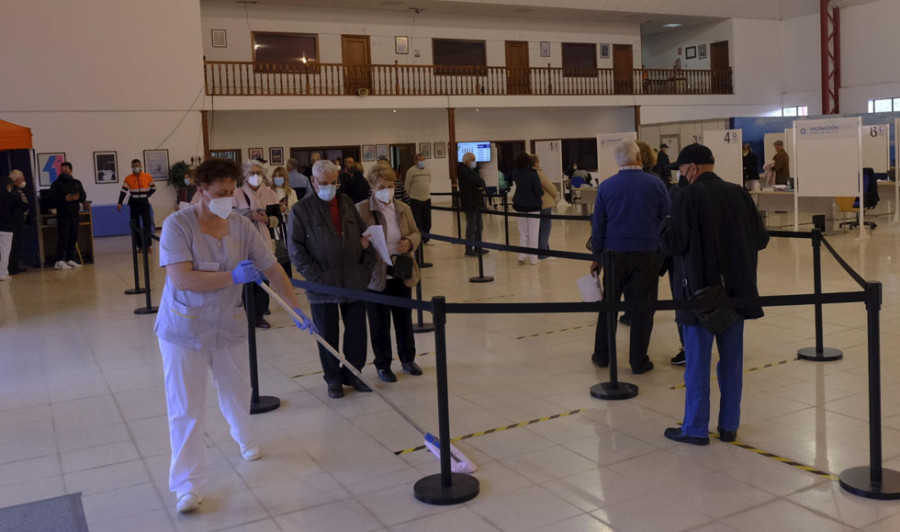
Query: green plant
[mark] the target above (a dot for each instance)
(176, 175)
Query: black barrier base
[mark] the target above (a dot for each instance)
(423, 328)
(266, 403)
(430, 490)
(611, 392)
(131, 291)
(481, 279)
(828, 354)
(425, 265)
(858, 481)
(146, 310)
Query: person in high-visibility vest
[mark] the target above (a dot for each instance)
(140, 185)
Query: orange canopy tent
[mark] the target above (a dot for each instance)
(14, 137)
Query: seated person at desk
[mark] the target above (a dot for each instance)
(67, 195)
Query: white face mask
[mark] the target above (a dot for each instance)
(187, 181)
(279, 181)
(473, 165)
(384, 195)
(253, 180)
(421, 164)
(327, 192)
(221, 207)
(136, 170)
(22, 184)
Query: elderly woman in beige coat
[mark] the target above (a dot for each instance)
(402, 237)
(548, 201)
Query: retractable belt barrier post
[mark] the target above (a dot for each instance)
(420, 326)
(420, 256)
(148, 308)
(265, 403)
(506, 217)
(818, 353)
(612, 390)
(137, 283)
(481, 278)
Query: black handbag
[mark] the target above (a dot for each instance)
(403, 266)
(716, 320)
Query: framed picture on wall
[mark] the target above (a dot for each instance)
(156, 163)
(219, 39)
(545, 48)
(604, 51)
(49, 167)
(690, 52)
(401, 45)
(254, 153)
(440, 150)
(425, 149)
(701, 51)
(276, 156)
(233, 154)
(106, 167)
(368, 153)
(381, 150)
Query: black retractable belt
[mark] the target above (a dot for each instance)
(265, 403)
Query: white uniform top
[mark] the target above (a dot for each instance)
(214, 319)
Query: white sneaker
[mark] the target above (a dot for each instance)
(534, 262)
(5, 278)
(62, 265)
(73, 264)
(188, 502)
(521, 261)
(251, 453)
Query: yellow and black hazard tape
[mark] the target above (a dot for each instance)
(484, 298)
(757, 368)
(494, 430)
(786, 461)
(567, 329)
(369, 364)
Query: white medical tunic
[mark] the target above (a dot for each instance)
(213, 319)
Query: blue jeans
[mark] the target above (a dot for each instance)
(698, 354)
(544, 232)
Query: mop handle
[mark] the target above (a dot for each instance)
(343, 360)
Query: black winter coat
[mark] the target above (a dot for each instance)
(527, 197)
(66, 184)
(12, 208)
(471, 188)
(356, 187)
(714, 235)
(321, 256)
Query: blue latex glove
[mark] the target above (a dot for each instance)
(307, 323)
(245, 272)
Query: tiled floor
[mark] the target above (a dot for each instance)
(82, 409)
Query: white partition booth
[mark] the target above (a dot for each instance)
(727, 148)
(606, 146)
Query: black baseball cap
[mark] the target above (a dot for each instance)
(661, 146)
(695, 154)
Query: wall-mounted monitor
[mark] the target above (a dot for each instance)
(482, 151)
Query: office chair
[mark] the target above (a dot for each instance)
(870, 200)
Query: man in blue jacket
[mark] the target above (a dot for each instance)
(629, 208)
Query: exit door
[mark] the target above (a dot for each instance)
(623, 69)
(403, 156)
(357, 59)
(721, 68)
(518, 80)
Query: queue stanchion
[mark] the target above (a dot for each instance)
(420, 257)
(612, 390)
(481, 278)
(506, 217)
(818, 353)
(873, 482)
(134, 259)
(456, 204)
(259, 404)
(148, 308)
(445, 487)
(420, 326)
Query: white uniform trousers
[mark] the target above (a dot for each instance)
(186, 377)
(529, 229)
(6, 239)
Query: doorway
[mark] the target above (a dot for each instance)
(403, 156)
(674, 144)
(518, 80)
(357, 58)
(721, 67)
(623, 69)
(506, 154)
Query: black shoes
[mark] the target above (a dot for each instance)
(335, 391)
(625, 319)
(678, 360)
(599, 363)
(412, 368)
(261, 323)
(643, 369)
(727, 436)
(471, 253)
(387, 375)
(675, 434)
(360, 386)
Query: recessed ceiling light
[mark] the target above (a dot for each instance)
(671, 25)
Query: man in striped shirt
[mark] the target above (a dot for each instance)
(140, 185)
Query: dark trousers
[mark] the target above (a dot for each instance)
(636, 274)
(544, 232)
(474, 227)
(140, 214)
(325, 316)
(421, 211)
(260, 301)
(66, 236)
(380, 326)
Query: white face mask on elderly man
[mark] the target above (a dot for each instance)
(327, 192)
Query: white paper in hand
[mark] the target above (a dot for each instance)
(590, 288)
(376, 238)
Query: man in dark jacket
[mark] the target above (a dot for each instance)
(327, 247)
(67, 194)
(18, 209)
(714, 235)
(663, 166)
(629, 208)
(471, 200)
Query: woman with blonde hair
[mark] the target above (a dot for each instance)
(287, 197)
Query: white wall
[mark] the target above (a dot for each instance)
(240, 129)
(869, 51)
(661, 50)
(801, 68)
(122, 85)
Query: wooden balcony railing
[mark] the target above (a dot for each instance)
(231, 78)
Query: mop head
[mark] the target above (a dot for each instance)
(459, 463)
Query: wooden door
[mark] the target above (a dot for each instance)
(518, 79)
(721, 68)
(402, 157)
(623, 69)
(357, 59)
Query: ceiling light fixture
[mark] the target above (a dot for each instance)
(671, 25)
